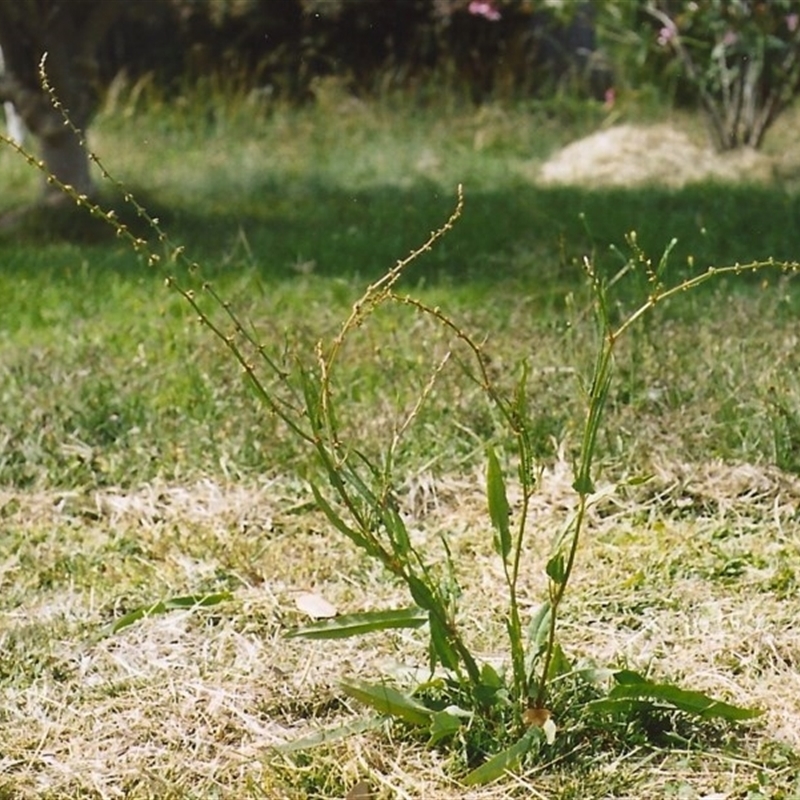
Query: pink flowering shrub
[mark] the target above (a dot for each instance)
(742, 57)
(483, 9)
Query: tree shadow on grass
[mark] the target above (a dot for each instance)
(524, 232)
(66, 222)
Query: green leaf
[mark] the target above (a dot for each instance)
(447, 723)
(559, 663)
(632, 689)
(504, 761)
(338, 522)
(491, 688)
(197, 600)
(312, 399)
(555, 569)
(695, 703)
(386, 700)
(639, 480)
(627, 676)
(664, 260)
(490, 677)
(440, 643)
(163, 606)
(420, 592)
(498, 505)
(539, 627)
(354, 479)
(330, 735)
(583, 485)
(398, 533)
(359, 624)
(538, 634)
(617, 707)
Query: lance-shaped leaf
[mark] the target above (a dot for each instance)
(359, 624)
(556, 569)
(421, 592)
(498, 505)
(506, 760)
(442, 650)
(447, 723)
(539, 627)
(337, 521)
(331, 735)
(163, 606)
(386, 700)
(634, 691)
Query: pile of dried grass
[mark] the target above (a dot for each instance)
(630, 155)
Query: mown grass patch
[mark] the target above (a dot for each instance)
(189, 701)
(109, 381)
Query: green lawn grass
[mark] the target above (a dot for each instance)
(136, 464)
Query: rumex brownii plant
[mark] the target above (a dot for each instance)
(501, 715)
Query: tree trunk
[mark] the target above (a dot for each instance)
(66, 159)
(69, 32)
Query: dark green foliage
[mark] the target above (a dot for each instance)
(280, 47)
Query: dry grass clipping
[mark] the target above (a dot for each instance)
(189, 704)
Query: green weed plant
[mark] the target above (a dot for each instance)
(498, 716)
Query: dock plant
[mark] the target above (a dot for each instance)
(497, 712)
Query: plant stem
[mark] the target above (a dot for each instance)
(597, 400)
(514, 622)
